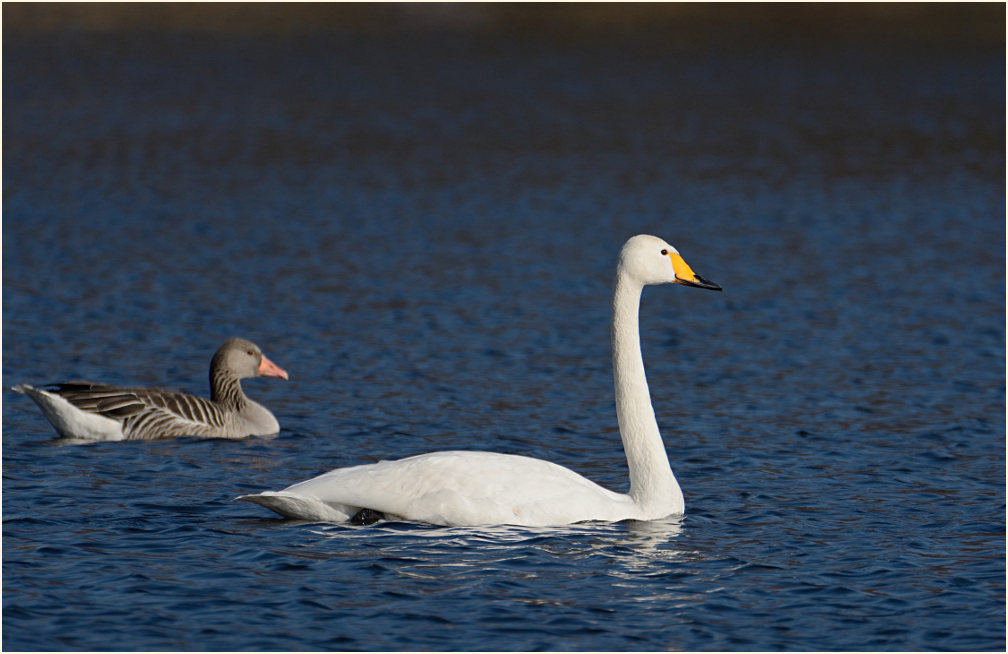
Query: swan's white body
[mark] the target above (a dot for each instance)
(465, 488)
(455, 488)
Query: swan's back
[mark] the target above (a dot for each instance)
(458, 488)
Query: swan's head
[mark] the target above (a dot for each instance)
(650, 260)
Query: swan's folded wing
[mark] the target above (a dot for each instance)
(458, 488)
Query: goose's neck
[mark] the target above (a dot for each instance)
(226, 390)
(652, 484)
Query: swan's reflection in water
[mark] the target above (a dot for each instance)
(623, 551)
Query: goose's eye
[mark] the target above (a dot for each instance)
(251, 353)
(664, 253)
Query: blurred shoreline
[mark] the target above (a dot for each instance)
(942, 25)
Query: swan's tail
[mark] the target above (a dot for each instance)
(300, 507)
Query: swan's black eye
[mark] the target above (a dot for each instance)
(664, 253)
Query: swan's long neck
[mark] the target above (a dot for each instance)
(652, 484)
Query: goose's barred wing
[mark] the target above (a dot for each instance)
(147, 412)
(89, 397)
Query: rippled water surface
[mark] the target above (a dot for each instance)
(422, 229)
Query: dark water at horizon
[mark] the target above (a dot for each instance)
(422, 230)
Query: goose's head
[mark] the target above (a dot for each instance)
(244, 359)
(650, 260)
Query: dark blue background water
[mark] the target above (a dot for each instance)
(421, 227)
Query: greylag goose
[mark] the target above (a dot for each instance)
(114, 413)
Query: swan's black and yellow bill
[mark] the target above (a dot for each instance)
(684, 274)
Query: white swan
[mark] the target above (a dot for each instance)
(466, 488)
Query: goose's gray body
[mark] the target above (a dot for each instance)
(106, 412)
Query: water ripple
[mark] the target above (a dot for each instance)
(422, 231)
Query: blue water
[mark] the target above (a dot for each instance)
(422, 229)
